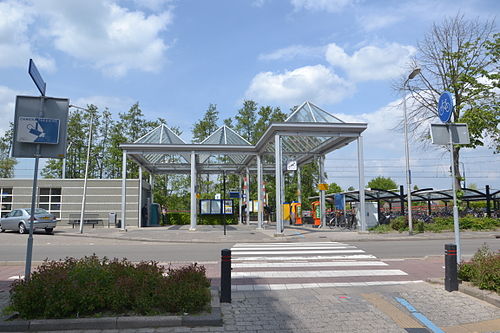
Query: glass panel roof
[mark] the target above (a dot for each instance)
(310, 113)
(224, 136)
(163, 135)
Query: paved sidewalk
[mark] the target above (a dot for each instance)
(358, 310)
(250, 233)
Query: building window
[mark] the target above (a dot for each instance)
(5, 200)
(50, 200)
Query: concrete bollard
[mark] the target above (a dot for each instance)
(225, 276)
(450, 267)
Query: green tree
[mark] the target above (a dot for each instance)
(334, 188)
(459, 56)
(245, 121)
(207, 125)
(266, 116)
(382, 183)
(7, 163)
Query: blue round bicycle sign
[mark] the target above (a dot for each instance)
(445, 107)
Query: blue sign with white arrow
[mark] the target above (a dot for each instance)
(38, 130)
(445, 107)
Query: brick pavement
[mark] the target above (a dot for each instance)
(344, 310)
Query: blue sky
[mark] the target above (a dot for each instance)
(177, 57)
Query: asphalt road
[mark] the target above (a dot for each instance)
(13, 248)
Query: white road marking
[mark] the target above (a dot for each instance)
(287, 244)
(298, 252)
(289, 286)
(316, 274)
(238, 249)
(353, 256)
(16, 277)
(310, 264)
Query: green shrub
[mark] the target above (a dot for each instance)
(381, 229)
(420, 226)
(185, 218)
(483, 270)
(399, 223)
(91, 286)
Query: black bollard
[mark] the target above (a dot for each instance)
(225, 276)
(450, 267)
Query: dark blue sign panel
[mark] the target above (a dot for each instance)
(234, 194)
(445, 107)
(37, 78)
(339, 201)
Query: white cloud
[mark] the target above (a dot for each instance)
(332, 6)
(372, 22)
(15, 46)
(109, 37)
(292, 52)
(7, 107)
(372, 62)
(314, 83)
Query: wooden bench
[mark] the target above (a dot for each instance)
(88, 218)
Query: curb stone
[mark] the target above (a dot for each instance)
(214, 318)
(467, 288)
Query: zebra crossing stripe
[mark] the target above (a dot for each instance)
(310, 264)
(354, 256)
(292, 248)
(289, 286)
(316, 274)
(296, 252)
(286, 244)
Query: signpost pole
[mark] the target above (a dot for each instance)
(224, 200)
(456, 226)
(29, 247)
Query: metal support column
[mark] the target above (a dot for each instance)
(139, 208)
(322, 203)
(278, 173)
(260, 218)
(488, 201)
(247, 192)
(240, 200)
(299, 186)
(152, 183)
(124, 190)
(361, 170)
(455, 207)
(193, 192)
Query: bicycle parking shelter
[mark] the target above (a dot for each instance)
(428, 195)
(307, 135)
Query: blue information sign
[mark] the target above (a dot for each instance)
(445, 107)
(38, 130)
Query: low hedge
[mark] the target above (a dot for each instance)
(185, 218)
(439, 224)
(95, 287)
(483, 270)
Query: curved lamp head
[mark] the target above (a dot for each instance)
(414, 73)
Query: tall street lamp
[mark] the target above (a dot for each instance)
(84, 197)
(414, 73)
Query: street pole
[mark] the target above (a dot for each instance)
(455, 208)
(414, 73)
(84, 198)
(64, 161)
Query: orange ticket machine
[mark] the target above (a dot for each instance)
(316, 214)
(296, 211)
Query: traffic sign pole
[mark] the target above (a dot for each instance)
(456, 226)
(29, 246)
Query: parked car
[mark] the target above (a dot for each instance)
(19, 220)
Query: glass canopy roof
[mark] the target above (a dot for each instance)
(307, 133)
(224, 136)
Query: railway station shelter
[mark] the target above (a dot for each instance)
(306, 136)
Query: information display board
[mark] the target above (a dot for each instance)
(214, 206)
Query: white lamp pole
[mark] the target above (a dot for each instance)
(84, 196)
(414, 73)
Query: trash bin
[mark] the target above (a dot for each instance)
(118, 223)
(111, 219)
